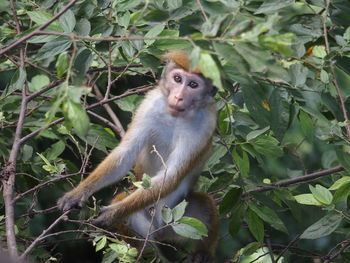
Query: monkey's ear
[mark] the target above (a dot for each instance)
(213, 91)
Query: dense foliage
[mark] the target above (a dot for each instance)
(72, 74)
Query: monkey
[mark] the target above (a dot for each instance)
(178, 119)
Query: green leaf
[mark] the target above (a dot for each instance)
(278, 43)
(256, 133)
(228, 53)
(146, 181)
(340, 182)
(171, 44)
(324, 76)
(217, 153)
(120, 249)
(307, 199)
(179, 210)
(190, 228)
(77, 116)
(280, 112)
(83, 61)
(54, 47)
(174, 4)
(83, 27)
(254, 100)
(230, 199)
(256, 226)
(129, 103)
(38, 82)
(155, 31)
(267, 146)
(256, 58)
(343, 158)
(298, 74)
(100, 138)
(124, 20)
(55, 150)
(194, 57)
(18, 80)
(347, 34)
(68, 21)
(321, 194)
(342, 193)
(269, 216)
(167, 215)
(126, 5)
(319, 51)
(27, 152)
(41, 17)
(62, 64)
(269, 6)
(195, 223)
(236, 219)
(210, 70)
(41, 39)
(101, 243)
(186, 231)
(241, 162)
(306, 125)
(250, 249)
(323, 227)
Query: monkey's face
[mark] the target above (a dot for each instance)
(186, 92)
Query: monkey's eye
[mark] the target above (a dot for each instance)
(193, 84)
(177, 78)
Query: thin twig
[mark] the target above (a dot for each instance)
(202, 10)
(117, 123)
(105, 121)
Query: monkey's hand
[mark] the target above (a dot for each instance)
(109, 216)
(71, 200)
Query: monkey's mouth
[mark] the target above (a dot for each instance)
(174, 110)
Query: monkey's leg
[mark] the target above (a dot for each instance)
(202, 207)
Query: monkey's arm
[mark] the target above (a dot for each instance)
(111, 169)
(181, 161)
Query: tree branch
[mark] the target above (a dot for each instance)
(36, 31)
(43, 235)
(297, 180)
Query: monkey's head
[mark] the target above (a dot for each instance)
(185, 90)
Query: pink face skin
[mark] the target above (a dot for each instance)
(187, 91)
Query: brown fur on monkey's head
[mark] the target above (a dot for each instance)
(181, 59)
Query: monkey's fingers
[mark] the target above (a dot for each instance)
(69, 201)
(106, 219)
